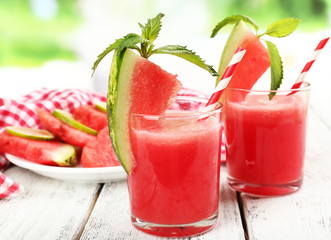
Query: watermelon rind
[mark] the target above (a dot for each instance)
(234, 41)
(65, 156)
(102, 106)
(30, 133)
(118, 106)
(68, 119)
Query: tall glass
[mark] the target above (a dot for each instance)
(265, 140)
(174, 187)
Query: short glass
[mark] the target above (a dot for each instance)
(265, 140)
(174, 187)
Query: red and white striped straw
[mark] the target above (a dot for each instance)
(229, 71)
(308, 65)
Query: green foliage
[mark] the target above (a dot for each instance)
(30, 41)
(313, 13)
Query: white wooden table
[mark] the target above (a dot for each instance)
(52, 209)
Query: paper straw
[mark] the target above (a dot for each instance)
(308, 65)
(229, 71)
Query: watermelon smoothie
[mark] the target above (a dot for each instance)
(174, 188)
(265, 140)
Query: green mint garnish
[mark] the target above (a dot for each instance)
(276, 68)
(234, 19)
(279, 29)
(144, 44)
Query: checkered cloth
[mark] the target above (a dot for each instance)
(21, 112)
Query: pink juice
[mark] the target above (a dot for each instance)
(265, 143)
(176, 179)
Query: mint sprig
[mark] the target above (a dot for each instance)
(278, 29)
(234, 19)
(144, 44)
(276, 67)
(281, 28)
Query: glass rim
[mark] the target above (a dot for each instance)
(183, 114)
(303, 88)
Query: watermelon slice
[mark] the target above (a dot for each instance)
(99, 152)
(254, 63)
(136, 85)
(31, 133)
(91, 117)
(67, 118)
(43, 152)
(63, 131)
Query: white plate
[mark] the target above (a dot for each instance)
(77, 174)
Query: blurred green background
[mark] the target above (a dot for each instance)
(33, 32)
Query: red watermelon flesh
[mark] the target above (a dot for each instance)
(43, 152)
(99, 152)
(63, 131)
(252, 66)
(153, 90)
(91, 117)
(254, 63)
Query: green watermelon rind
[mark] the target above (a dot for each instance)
(30, 133)
(68, 119)
(65, 156)
(102, 106)
(234, 40)
(118, 105)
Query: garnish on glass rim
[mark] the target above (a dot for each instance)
(136, 85)
(150, 32)
(279, 29)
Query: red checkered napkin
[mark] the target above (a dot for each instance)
(22, 113)
(9, 188)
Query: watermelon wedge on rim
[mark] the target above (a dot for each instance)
(254, 63)
(136, 85)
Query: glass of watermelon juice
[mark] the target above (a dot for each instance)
(265, 140)
(174, 187)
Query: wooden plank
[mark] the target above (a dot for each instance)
(48, 209)
(307, 213)
(110, 218)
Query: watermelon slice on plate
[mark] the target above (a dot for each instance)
(99, 152)
(43, 152)
(91, 117)
(63, 131)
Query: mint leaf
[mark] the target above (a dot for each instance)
(150, 32)
(234, 19)
(282, 27)
(129, 41)
(276, 67)
(152, 28)
(189, 55)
